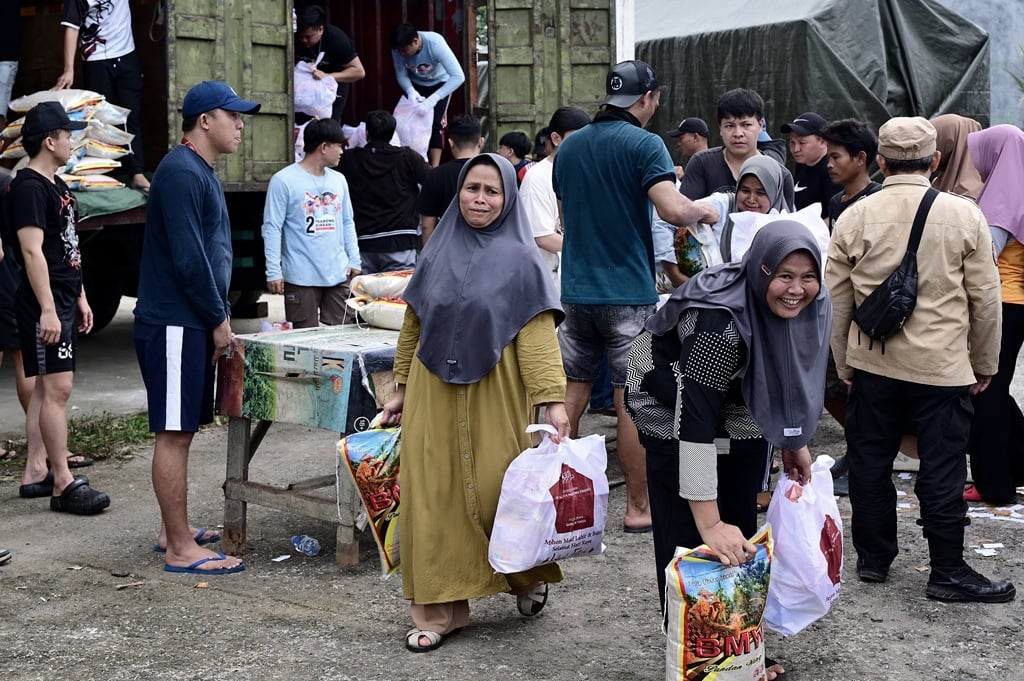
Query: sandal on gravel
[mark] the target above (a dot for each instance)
(80, 499)
(5, 555)
(82, 463)
(44, 488)
(412, 639)
(203, 537)
(195, 569)
(531, 603)
(768, 664)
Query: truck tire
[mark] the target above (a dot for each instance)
(104, 296)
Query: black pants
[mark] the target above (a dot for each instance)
(878, 412)
(120, 81)
(997, 433)
(740, 474)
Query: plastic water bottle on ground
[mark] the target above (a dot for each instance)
(306, 545)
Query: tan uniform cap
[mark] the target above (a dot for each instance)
(906, 139)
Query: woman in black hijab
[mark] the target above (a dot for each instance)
(476, 354)
(737, 353)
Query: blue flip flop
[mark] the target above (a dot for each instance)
(200, 538)
(194, 569)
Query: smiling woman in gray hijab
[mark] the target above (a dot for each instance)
(477, 353)
(738, 352)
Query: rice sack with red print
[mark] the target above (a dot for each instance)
(713, 614)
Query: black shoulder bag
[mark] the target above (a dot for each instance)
(884, 312)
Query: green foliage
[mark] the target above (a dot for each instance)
(98, 436)
(107, 436)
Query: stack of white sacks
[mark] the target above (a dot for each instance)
(96, 148)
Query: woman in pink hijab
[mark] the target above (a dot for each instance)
(997, 433)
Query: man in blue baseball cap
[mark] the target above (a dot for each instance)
(182, 320)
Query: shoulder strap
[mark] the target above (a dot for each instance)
(922, 215)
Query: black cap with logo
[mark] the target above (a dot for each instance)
(628, 82)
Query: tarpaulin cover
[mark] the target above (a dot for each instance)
(869, 59)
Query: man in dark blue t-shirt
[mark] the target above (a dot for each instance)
(606, 176)
(182, 320)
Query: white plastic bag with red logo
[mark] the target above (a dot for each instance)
(808, 563)
(413, 125)
(314, 97)
(553, 503)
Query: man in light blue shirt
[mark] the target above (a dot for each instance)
(309, 232)
(428, 72)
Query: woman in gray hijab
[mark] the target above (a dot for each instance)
(737, 352)
(476, 354)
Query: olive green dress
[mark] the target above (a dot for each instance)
(457, 442)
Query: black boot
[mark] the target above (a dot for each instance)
(964, 584)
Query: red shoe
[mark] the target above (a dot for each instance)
(971, 493)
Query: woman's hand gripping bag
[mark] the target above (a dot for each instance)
(808, 565)
(553, 503)
(713, 614)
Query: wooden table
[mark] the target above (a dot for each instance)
(331, 378)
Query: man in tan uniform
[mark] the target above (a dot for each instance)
(924, 374)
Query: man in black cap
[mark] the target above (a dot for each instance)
(606, 175)
(691, 137)
(50, 304)
(810, 152)
(182, 320)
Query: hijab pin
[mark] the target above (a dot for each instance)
(764, 268)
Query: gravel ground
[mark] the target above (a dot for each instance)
(65, 617)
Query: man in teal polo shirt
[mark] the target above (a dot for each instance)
(606, 177)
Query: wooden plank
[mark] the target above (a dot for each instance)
(314, 483)
(293, 501)
(239, 455)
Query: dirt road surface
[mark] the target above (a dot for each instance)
(86, 598)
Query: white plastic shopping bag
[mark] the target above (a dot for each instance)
(314, 97)
(747, 224)
(808, 561)
(413, 125)
(553, 503)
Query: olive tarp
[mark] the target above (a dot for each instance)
(869, 59)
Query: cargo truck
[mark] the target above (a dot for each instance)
(523, 59)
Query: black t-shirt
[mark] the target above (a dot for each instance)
(708, 172)
(34, 200)
(440, 187)
(836, 205)
(813, 185)
(338, 50)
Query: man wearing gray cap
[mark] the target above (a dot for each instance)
(922, 375)
(606, 176)
(183, 319)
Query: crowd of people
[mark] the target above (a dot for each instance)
(531, 272)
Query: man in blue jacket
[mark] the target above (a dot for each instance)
(182, 320)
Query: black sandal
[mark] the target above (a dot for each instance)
(43, 488)
(80, 499)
